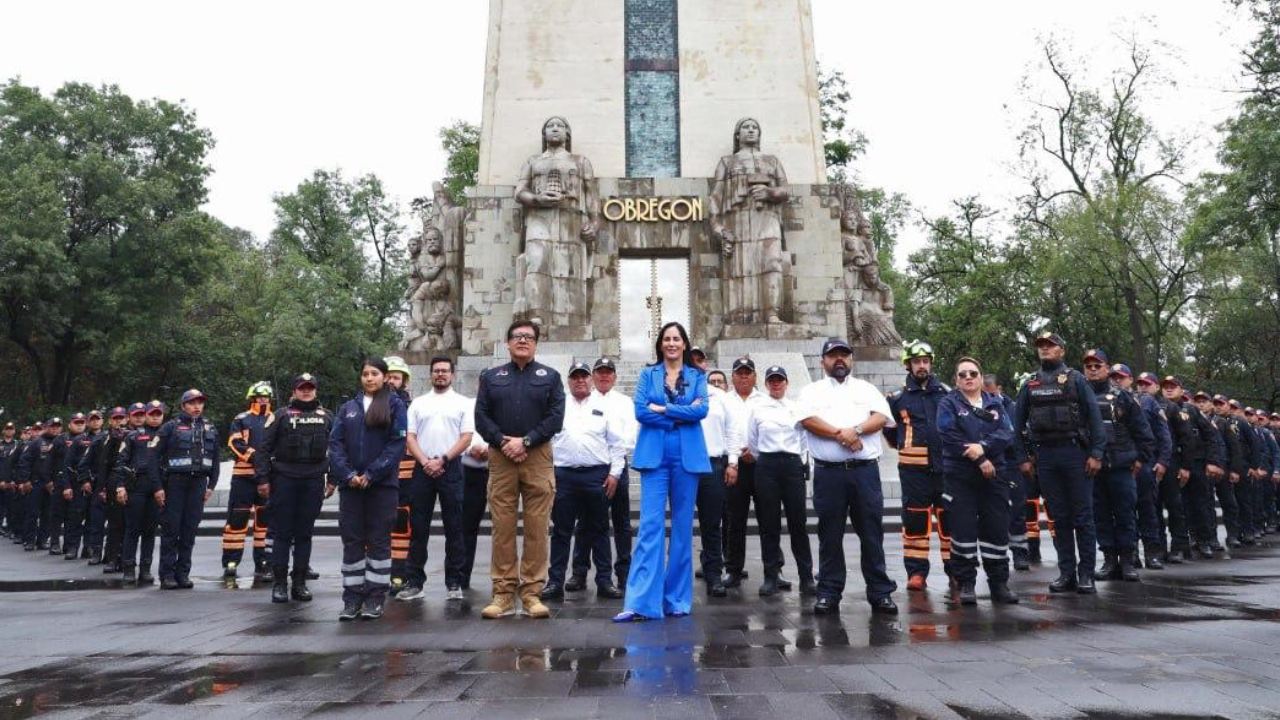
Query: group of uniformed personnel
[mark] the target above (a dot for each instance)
(1110, 460)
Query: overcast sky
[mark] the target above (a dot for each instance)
(287, 87)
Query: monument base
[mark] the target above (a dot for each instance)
(767, 331)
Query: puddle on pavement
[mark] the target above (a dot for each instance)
(62, 584)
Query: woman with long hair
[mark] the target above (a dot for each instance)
(670, 453)
(365, 447)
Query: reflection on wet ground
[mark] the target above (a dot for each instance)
(1196, 641)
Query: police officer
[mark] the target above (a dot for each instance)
(8, 492)
(186, 474)
(1228, 483)
(250, 490)
(398, 377)
(843, 417)
(1269, 464)
(1169, 508)
(293, 459)
(1198, 459)
(21, 489)
(56, 513)
(35, 473)
(1058, 410)
(1242, 464)
(106, 520)
(915, 407)
(1130, 445)
(1008, 474)
(781, 476)
(1150, 474)
(974, 432)
(76, 489)
(134, 485)
(588, 453)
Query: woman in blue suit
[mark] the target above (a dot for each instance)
(670, 453)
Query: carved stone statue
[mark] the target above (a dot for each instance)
(561, 216)
(432, 293)
(870, 299)
(746, 217)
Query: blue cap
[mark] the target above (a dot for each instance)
(1122, 370)
(775, 371)
(192, 394)
(1096, 354)
(833, 344)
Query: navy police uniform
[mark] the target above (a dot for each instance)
(1115, 490)
(1148, 514)
(134, 473)
(187, 449)
(915, 407)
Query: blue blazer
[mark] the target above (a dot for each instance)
(682, 415)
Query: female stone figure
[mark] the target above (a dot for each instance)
(561, 215)
(870, 299)
(746, 217)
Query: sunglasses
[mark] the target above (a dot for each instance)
(1093, 366)
(968, 374)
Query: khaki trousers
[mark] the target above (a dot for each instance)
(532, 482)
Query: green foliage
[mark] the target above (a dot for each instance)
(842, 144)
(461, 143)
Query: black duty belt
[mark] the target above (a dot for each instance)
(845, 464)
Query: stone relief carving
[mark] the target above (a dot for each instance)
(870, 299)
(433, 279)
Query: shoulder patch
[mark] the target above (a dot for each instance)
(270, 421)
(242, 415)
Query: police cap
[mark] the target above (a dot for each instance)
(775, 371)
(305, 379)
(579, 367)
(605, 363)
(744, 362)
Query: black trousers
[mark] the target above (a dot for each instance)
(738, 498)
(843, 494)
(113, 516)
(780, 486)
(710, 504)
(1170, 510)
(142, 515)
(183, 507)
(294, 505)
(1226, 492)
(475, 497)
(620, 520)
(978, 517)
(365, 518)
(1197, 505)
(424, 492)
(77, 510)
(581, 515)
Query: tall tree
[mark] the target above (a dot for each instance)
(461, 144)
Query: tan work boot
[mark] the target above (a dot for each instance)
(500, 606)
(534, 608)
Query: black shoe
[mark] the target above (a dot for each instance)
(299, 591)
(808, 587)
(697, 574)
(55, 548)
(733, 580)
(967, 595)
(1110, 569)
(95, 559)
(1065, 583)
(263, 572)
(884, 606)
(1175, 557)
(130, 575)
(826, 606)
(1085, 585)
(70, 556)
(184, 582)
(609, 592)
(1129, 566)
(1216, 546)
(312, 574)
(169, 583)
(716, 589)
(112, 567)
(350, 610)
(783, 583)
(29, 547)
(1001, 594)
(1204, 551)
(85, 553)
(1233, 543)
(1033, 553)
(145, 578)
(577, 583)
(280, 585)
(42, 545)
(1020, 560)
(769, 586)
(372, 609)
(552, 592)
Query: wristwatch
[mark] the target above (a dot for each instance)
(525, 440)
(857, 429)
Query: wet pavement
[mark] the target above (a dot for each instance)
(1197, 641)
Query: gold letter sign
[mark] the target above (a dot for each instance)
(653, 209)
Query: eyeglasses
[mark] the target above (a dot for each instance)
(968, 374)
(524, 337)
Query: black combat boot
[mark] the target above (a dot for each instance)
(1021, 559)
(967, 595)
(130, 573)
(299, 590)
(1033, 551)
(1154, 556)
(1085, 585)
(1129, 566)
(312, 574)
(1066, 582)
(1110, 569)
(770, 585)
(280, 585)
(1001, 594)
(262, 572)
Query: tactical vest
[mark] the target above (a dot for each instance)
(1187, 434)
(191, 446)
(8, 456)
(1121, 450)
(1053, 408)
(303, 437)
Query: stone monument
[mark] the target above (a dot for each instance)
(755, 258)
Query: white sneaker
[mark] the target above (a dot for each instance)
(410, 592)
(453, 594)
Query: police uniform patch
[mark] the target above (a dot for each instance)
(154, 441)
(1062, 378)
(1184, 415)
(540, 372)
(502, 372)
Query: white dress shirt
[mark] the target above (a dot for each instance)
(623, 410)
(439, 419)
(476, 439)
(772, 427)
(717, 427)
(843, 404)
(590, 436)
(739, 413)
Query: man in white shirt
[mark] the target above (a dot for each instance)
(588, 453)
(604, 376)
(781, 473)
(721, 437)
(740, 472)
(440, 428)
(842, 417)
(475, 497)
